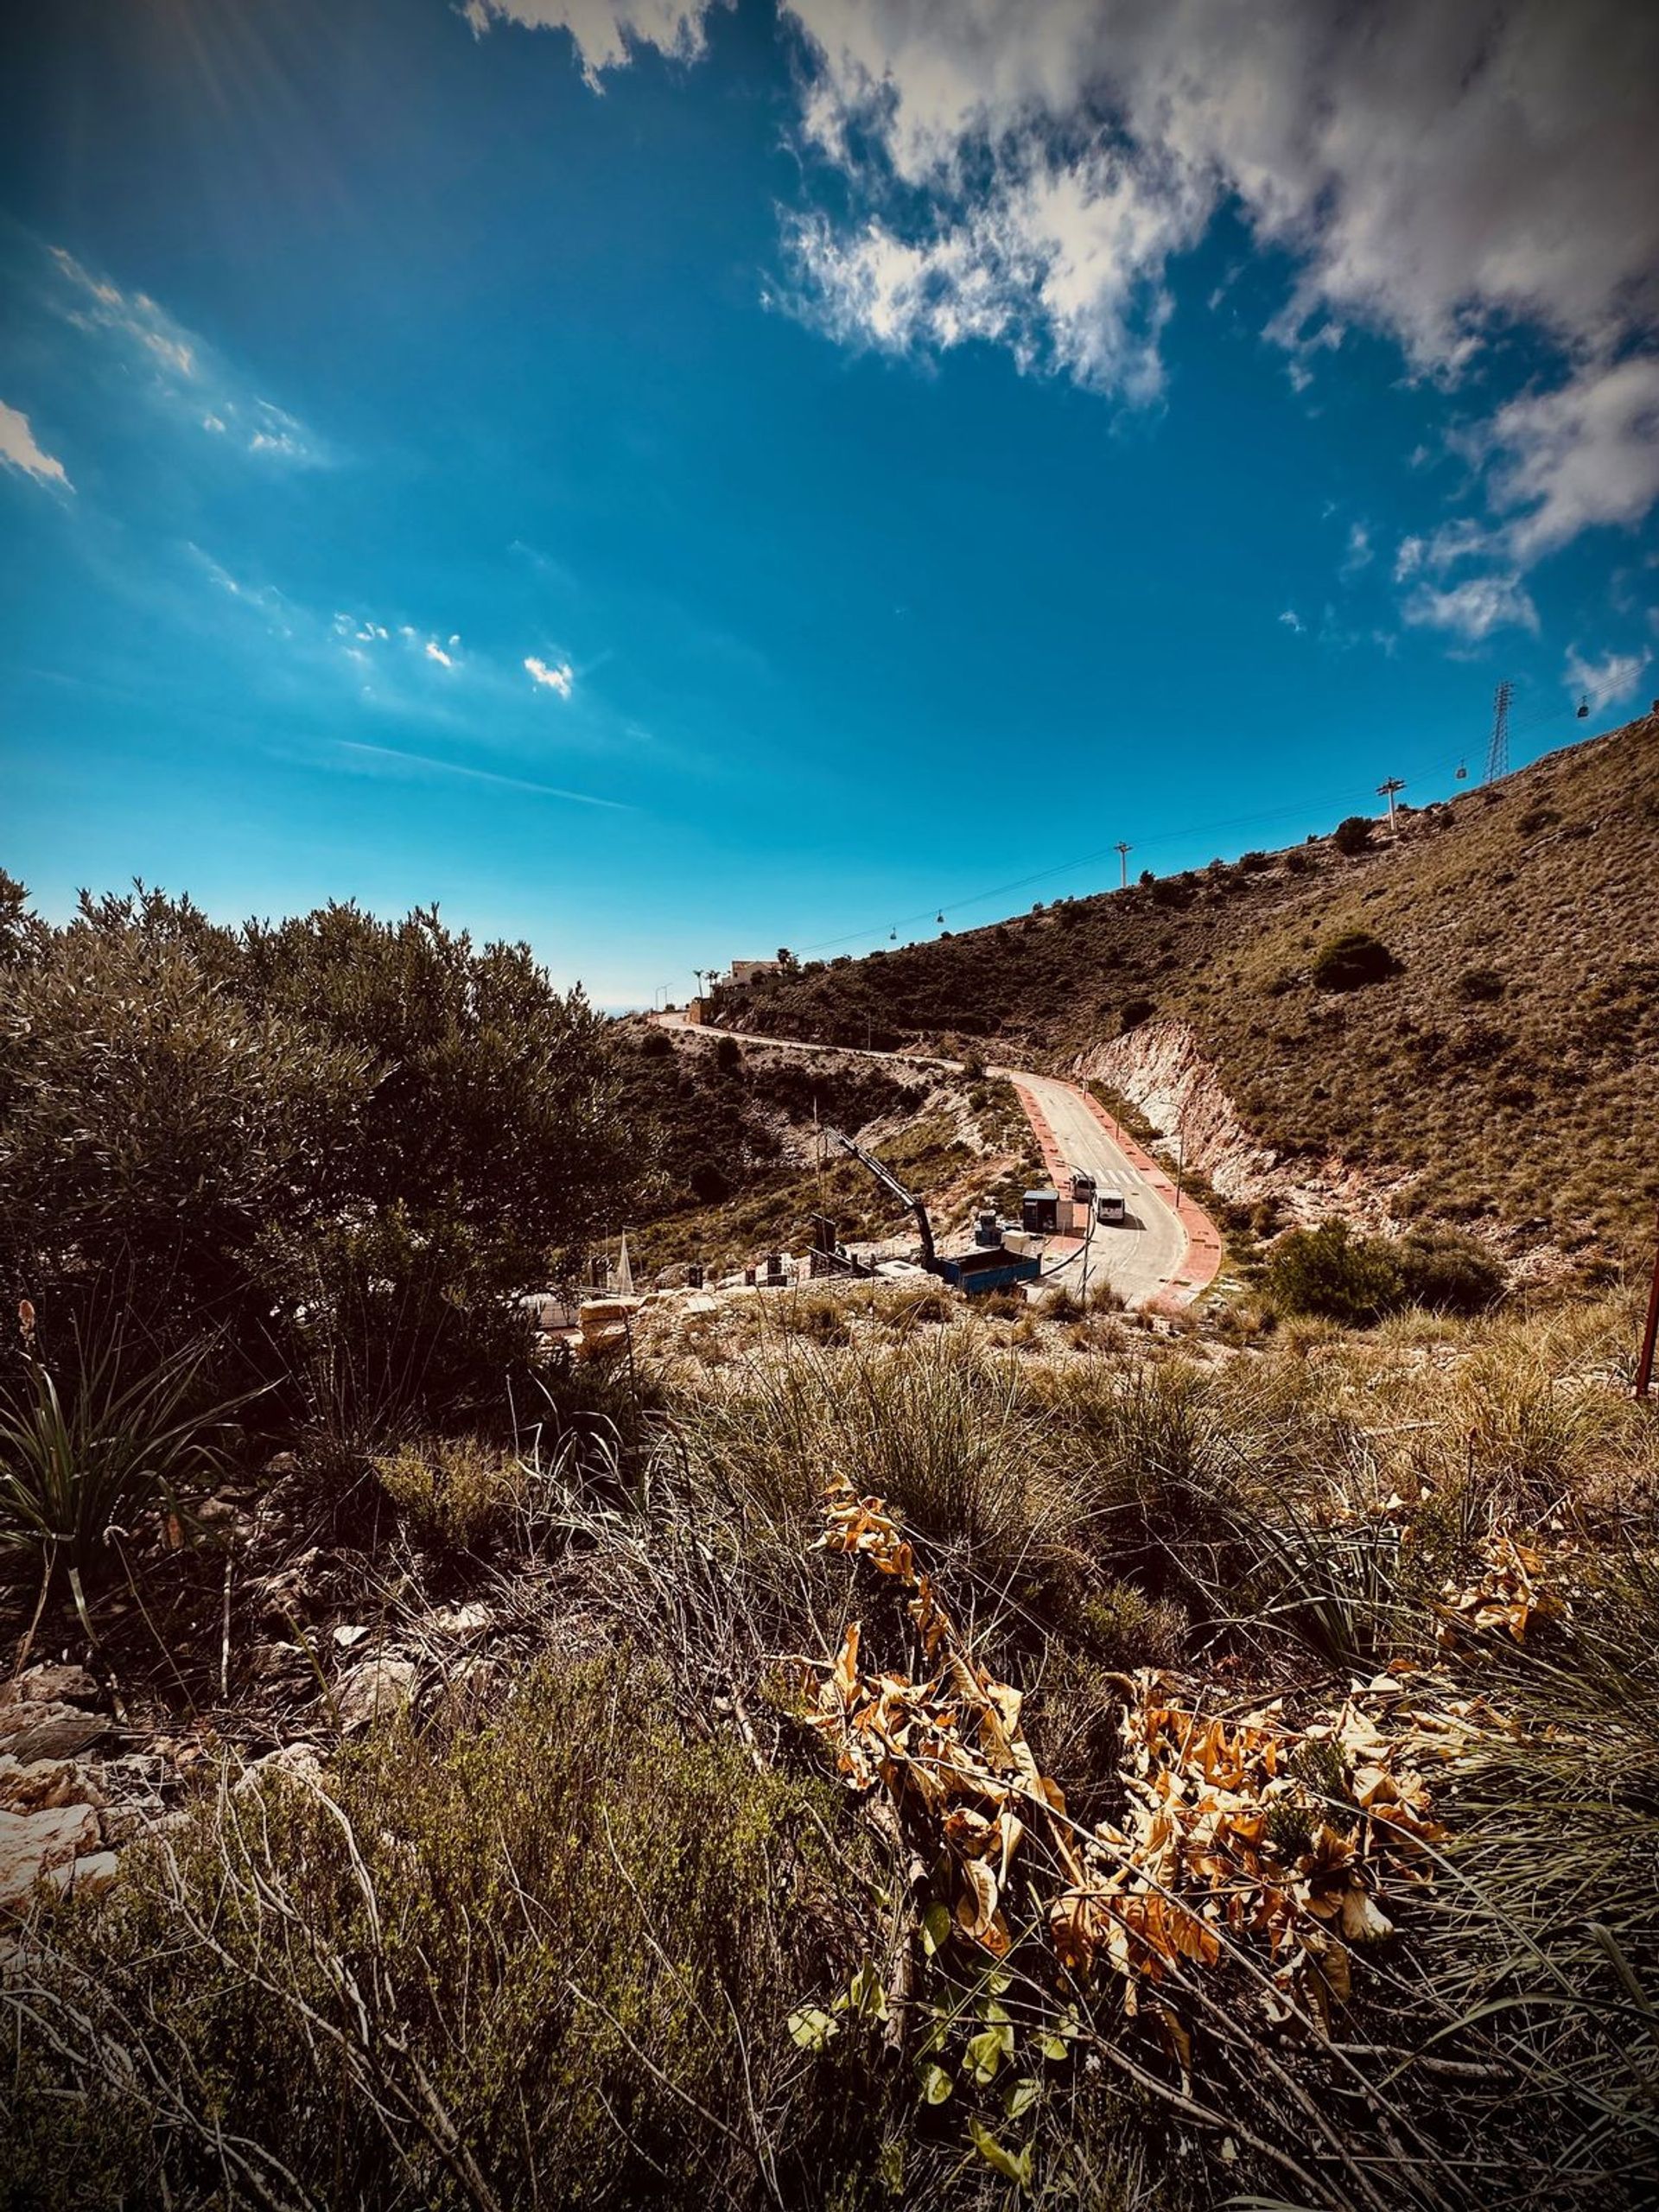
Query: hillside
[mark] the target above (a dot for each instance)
(734, 1131)
(1492, 1063)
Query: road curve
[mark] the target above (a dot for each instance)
(1139, 1259)
(1149, 1259)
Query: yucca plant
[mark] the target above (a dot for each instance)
(82, 1465)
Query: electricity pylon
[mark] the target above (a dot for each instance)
(1497, 752)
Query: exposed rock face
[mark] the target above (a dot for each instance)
(46, 1841)
(49, 1685)
(1160, 1069)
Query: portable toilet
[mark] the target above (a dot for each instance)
(1039, 1212)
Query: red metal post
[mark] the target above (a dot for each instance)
(1650, 1331)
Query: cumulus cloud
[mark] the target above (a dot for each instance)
(435, 651)
(1023, 175)
(604, 31)
(556, 676)
(19, 449)
(1603, 682)
(181, 368)
(1473, 609)
(1586, 453)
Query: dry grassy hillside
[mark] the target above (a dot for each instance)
(1497, 1068)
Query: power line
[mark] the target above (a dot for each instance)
(1302, 806)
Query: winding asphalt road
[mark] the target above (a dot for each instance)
(1141, 1259)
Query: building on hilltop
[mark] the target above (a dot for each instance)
(743, 973)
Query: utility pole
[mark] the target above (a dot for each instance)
(1123, 851)
(1650, 1333)
(1387, 790)
(1497, 751)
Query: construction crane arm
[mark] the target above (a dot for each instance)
(889, 1182)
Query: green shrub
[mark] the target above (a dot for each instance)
(458, 1492)
(113, 1440)
(1331, 1273)
(547, 1961)
(1448, 1273)
(1353, 836)
(286, 1132)
(1351, 960)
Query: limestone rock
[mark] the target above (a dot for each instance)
(57, 1685)
(45, 1730)
(465, 1621)
(44, 1784)
(378, 1690)
(300, 1759)
(32, 1844)
(87, 1876)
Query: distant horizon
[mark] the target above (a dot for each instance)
(674, 993)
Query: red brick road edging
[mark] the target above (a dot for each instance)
(1201, 1262)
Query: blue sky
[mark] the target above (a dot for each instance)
(665, 481)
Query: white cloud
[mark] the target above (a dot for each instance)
(1432, 170)
(1022, 173)
(1586, 453)
(181, 368)
(603, 31)
(556, 676)
(435, 651)
(1292, 621)
(1360, 552)
(1472, 610)
(1410, 558)
(1605, 682)
(19, 449)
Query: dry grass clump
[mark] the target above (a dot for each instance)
(627, 1940)
(456, 1491)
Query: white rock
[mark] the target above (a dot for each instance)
(48, 1731)
(463, 1621)
(286, 1759)
(45, 1783)
(378, 1690)
(32, 1844)
(57, 1685)
(86, 1877)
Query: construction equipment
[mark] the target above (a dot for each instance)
(885, 1176)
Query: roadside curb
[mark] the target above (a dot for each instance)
(1202, 1261)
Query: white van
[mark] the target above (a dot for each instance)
(1109, 1210)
